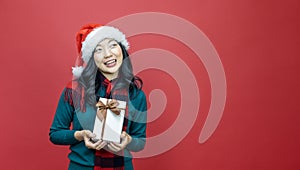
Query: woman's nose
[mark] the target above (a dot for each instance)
(107, 53)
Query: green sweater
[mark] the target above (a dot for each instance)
(80, 156)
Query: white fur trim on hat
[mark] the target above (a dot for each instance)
(99, 34)
(77, 70)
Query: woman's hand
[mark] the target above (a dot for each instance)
(87, 135)
(125, 140)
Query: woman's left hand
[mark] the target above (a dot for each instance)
(125, 140)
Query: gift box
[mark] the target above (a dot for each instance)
(109, 120)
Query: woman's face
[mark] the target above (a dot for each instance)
(108, 58)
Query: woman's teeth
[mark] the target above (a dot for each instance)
(110, 62)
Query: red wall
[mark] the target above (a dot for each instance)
(258, 44)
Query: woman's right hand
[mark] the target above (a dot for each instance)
(87, 135)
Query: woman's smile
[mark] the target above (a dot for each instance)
(110, 63)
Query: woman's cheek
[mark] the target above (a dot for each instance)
(116, 51)
(98, 59)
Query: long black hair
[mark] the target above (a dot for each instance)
(90, 79)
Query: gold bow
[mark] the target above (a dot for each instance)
(112, 105)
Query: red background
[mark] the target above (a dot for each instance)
(258, 43)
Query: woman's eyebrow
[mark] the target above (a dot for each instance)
(99, 45)
(107, 43)
(111, 40)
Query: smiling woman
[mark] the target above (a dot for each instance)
(108, 58)
(105, 71)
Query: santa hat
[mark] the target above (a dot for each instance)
(87, 39)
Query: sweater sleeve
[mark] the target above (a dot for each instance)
(137, 128)
(60, 132)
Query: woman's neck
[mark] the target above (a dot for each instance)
(110, 76)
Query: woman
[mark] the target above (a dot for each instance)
(105, 71)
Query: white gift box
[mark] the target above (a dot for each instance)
(110, 128)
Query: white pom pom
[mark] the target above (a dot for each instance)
(77, 71)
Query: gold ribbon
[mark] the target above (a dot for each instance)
(111, 105)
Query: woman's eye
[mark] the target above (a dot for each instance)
(113, 45)
(97, 50)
